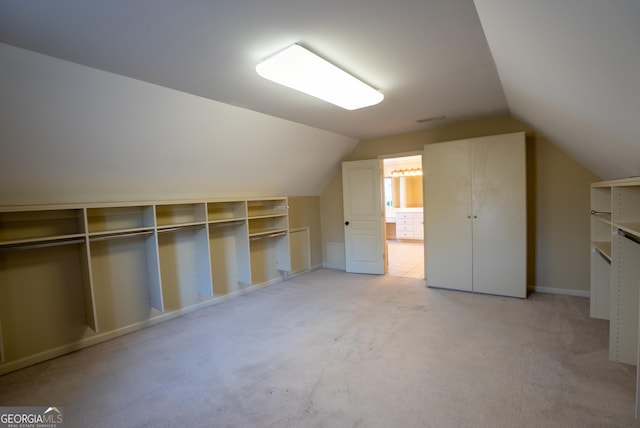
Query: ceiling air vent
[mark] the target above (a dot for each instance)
(431, 119)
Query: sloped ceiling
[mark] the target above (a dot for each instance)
(429, 58)
(70, 133)
(569, 68)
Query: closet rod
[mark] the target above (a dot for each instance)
(41, 245)
(271, 235)
(123, 235)
(174, 229)
(629, 236)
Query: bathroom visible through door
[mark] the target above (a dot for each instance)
(403, 207)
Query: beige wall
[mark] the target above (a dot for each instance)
(558, 199)
(305, 211)
(562, 207)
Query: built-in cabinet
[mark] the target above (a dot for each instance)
(409, 224)
(72, 276)
(475, 214)
(615, 266)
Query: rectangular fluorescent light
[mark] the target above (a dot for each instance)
(304, 71)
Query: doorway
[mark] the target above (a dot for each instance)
(404, 218)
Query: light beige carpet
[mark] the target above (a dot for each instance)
(330, 349)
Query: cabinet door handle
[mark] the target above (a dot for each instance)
(346, 223)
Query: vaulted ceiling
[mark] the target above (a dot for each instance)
(568, 68)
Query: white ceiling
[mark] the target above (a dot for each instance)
(568, 68)
(429, 58)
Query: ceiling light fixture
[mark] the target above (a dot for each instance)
(404, 172)
(302, 70)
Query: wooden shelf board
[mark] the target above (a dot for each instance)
(226, 220)
(605, 218)
(267, 231)
(604, 247)
(43, 240)
(189, 224)
(121, 231)
(632, 228)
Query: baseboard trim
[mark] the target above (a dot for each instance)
(560, 291)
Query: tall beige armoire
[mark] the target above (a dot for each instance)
(475, 215)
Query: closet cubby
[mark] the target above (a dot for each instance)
(625, 201)
(269, 257)
(601, 237)
(601, 234)
(230, 261)
(171, 215)
(601, 202)
(40, 225)
(267, 216)
(267, 207)
(120, 219)
(267, 225)
(126, 280)
(226, 211)
(185, 270)
(75, 275)
(268, 239)
(45, 299)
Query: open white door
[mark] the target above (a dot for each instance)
(363, 227)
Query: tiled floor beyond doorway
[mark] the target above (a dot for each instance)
(406, 258)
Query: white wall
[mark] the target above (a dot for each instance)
(69, 133)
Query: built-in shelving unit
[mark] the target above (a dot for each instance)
(615, 267)
(185, 269)
(229, 244)
(72, 276)
(600, 251)
(268, 224)
(36, 244)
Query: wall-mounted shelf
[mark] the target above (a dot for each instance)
(72, 276)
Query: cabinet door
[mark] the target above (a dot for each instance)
(447, 211)
(499, 215)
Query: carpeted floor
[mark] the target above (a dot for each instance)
(330, 349)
